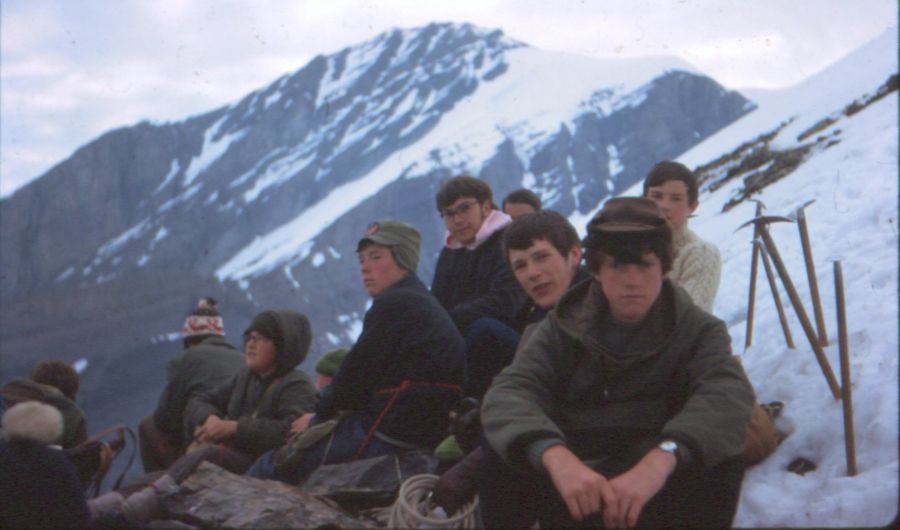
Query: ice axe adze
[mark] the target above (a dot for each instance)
(772, 250)
(751, 296)
(800, 215)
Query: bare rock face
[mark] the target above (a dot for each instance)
(215, 498)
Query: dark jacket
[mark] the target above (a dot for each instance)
(264, 407)
(74, 422)
(406, 336)
(472, 284)
(199, 369)
(39, 488)
(677, 380)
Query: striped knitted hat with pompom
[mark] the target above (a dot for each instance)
(205, 320)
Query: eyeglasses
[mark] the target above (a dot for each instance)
(255, 337)
(462, 209)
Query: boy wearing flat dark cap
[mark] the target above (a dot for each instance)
(625, 406)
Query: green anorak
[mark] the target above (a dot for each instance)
(676, 379)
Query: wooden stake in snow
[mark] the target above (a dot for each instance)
(846, 389)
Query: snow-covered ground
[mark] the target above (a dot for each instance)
(854, 220)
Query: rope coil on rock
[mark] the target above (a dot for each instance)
(414, 508)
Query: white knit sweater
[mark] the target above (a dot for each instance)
(697, 267)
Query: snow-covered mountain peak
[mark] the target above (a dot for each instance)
(515, 94)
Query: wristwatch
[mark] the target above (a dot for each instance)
(671, 446)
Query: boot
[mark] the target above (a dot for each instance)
(144, 505)
(105, 505)
(459, 484)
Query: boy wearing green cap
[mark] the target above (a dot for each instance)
(398, 382)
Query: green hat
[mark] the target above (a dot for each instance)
(330, 363)
(403, 239)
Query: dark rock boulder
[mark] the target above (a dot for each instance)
(215, 498)
(368, 483)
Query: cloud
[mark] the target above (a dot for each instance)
(72, 70)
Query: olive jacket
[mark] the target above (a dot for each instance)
(199, 369)
(676, 379)
(264, 407)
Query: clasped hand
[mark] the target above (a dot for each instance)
(621, 499)
(215, 430)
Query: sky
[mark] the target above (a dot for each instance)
(70, 71)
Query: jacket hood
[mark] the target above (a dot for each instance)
(290, 331)
(584, 306)
(492, 223)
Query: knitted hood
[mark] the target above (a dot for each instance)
(291, 333)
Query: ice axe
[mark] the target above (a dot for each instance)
(800, 216)
(751, 296)
(846, 385)
(772, 250)
(759, 247)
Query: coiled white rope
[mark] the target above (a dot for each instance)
(414, 508)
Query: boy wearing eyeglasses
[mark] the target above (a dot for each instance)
(472, 279)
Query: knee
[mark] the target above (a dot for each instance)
(146, 427)
(481, 329)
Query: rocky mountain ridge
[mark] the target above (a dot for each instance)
(260, 203)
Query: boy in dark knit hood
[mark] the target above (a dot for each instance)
(252, 413)
(247, 416)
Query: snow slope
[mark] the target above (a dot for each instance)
(854, 220)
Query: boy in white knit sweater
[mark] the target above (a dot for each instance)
(697, 267)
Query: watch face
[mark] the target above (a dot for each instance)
(669, 446)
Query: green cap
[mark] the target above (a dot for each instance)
(403, 239)
(331, 362)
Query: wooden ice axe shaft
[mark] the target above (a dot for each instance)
(846, 388)
(801, 314)
(751, 296)
(811, 275)
(773, 285)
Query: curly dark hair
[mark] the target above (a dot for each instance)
(58, 374)
(545, 224)
(523, 196)
(462, 186)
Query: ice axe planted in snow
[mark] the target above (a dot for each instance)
(800, 216)
(772, 250)
(751, 296)
(846, 385)
(759, 247)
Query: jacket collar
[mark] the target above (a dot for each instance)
(410, 281)
(583, 309)
(494, 222)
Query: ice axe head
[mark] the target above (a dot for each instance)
(798, 213)
(760, 206)
(763, 220)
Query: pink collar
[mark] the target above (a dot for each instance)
(495, 221)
